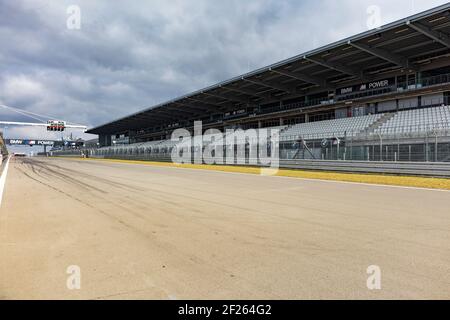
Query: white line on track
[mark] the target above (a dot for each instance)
(3, 180)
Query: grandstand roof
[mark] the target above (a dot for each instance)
(407, 44)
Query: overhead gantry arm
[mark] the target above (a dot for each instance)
(33, 124)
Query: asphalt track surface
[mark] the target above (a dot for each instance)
(149, 232)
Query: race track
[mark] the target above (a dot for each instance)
(149, 232)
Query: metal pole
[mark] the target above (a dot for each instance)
(337, 150)
(381, 147)
(435, 147)
(331, 150)
(351, 147)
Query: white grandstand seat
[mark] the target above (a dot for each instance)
(330, 128)
(165, 146)
(410, 121)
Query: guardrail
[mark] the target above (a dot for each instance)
(434, 169)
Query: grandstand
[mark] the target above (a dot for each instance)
(379, 95)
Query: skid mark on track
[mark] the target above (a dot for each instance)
(162, 245)
(190, 231)
(61, 176)
(164, 199)
(165, 246)
(71, 173)
(406, 182)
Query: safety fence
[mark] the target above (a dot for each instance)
(414, 146)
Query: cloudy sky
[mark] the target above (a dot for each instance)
(128, 55)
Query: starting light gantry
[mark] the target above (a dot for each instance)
(51, 125)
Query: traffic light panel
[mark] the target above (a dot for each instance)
(55, 125)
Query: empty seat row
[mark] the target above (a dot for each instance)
(419, 120)
(330, 128)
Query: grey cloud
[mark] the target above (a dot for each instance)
(130, 55)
